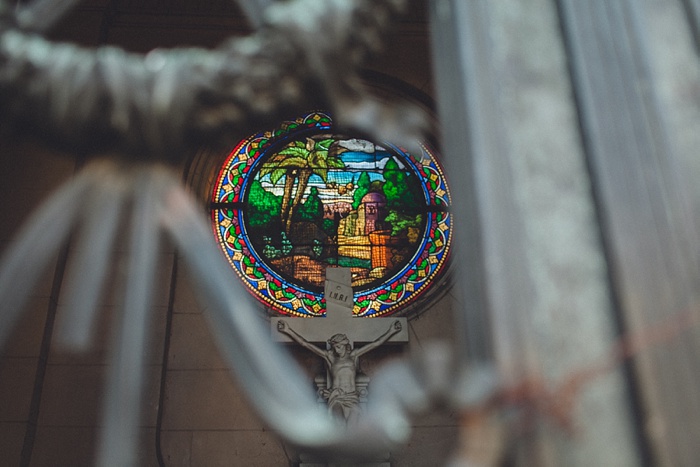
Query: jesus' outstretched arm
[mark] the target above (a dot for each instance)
(393, 329)
(285, 329)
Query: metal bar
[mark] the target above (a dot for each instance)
(122, 411)
(41, 15)
(646, 225)
(86, 277)
(30, 254)
(254, 10)
(490, 256)
(693, 9)
(240, 206)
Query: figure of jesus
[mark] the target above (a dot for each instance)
(342, 363)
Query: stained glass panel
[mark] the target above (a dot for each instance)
(291, 202)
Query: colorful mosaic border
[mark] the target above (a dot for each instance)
(285, 297)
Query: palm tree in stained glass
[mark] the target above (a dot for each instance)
(296, 163)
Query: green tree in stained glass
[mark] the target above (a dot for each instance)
(312, 209)
(398, 189)
(264, 207)
(330, 227)
(363, 185)
(296, 163)
(400, 223)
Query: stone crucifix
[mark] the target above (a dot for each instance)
(339, 331)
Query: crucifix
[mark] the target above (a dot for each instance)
(343, 388)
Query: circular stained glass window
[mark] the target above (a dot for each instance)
(291, 202)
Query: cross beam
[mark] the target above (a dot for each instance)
(339, 317)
